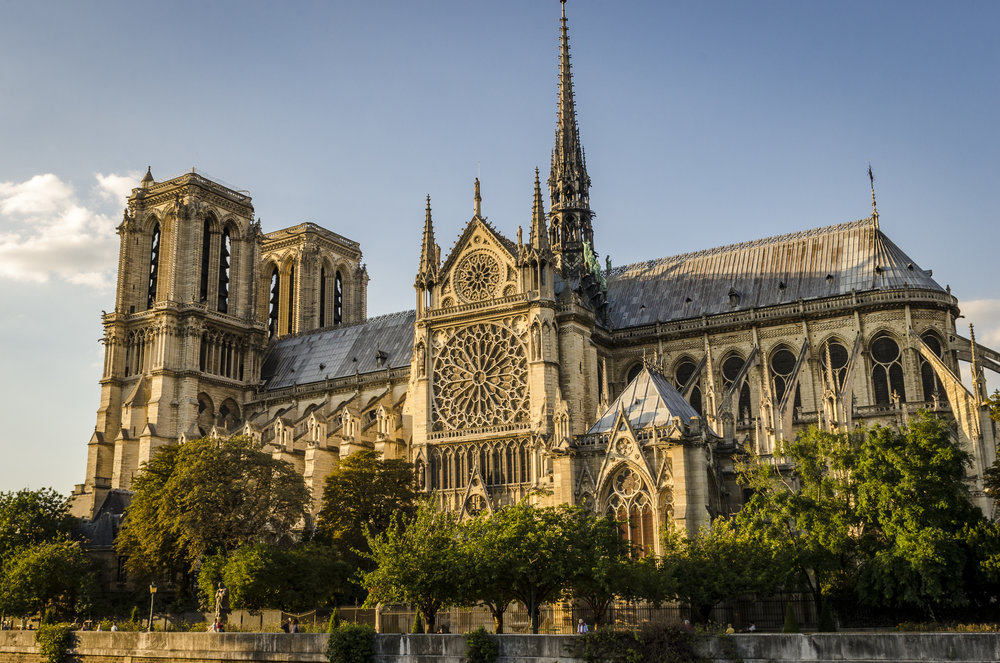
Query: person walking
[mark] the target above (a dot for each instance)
(581, 626)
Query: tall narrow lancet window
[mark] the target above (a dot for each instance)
(225, 251)
(887, 370)
(682, 374)
(928, 378)
(782, 367)
(290, 302)
(274, 305)
(154, 261)
(338, 299)
(206, 250)
(322, 296)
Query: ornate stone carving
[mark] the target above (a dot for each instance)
(477, 276)
(480, 378)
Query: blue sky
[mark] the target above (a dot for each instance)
(704, 124)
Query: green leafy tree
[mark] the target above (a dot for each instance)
(265, 575)
(486, 562)
(208, 497)
(55, 576)
(543, 556)
(416, 562)
(365, 492)
(719, 562)
(29, 517)
(602, 561)
(913, 506)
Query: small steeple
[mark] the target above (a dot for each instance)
(428, 250)
(147, 179)
(871, 178)
(978, 377)
(539, 237)
(479, 201)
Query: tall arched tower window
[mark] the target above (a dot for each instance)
(322, 296)
(685, 369)
(206, 250)
(274, 305)
(782, 368)
(225, 250)
(290, 301)
(928, 378)
(887, 370)
(338, 299)
(154, 261)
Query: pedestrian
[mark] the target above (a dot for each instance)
(114, 626)
(687, 626)
(581, 626)
(284, 627)
(729, 629)
(753, 627)
(294, 627)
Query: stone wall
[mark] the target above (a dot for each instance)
(121, 647)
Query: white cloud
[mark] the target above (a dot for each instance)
(47, 231)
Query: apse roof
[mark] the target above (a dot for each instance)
(812, 264)
(337, 352)
(648, 401)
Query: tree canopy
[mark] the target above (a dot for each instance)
(206, 497)
(365, 492)
(29, 517)
(54, 574)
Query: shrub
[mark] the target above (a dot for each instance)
(133, 616)
(351, 643)
(481, 647)
(418, 624)
(791, 621)
(651, 642)
(54, 642)
(334, 621)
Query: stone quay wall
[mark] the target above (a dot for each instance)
(159, 647)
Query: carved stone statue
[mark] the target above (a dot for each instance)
(220, 600)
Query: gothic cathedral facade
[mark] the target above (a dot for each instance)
(526, 369)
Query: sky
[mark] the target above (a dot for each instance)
(704, 124)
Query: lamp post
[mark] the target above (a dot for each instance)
(152, 597)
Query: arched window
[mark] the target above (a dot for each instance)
(290, 302)
(338, 299)
(322, 296)
(682, 374)
(154, 261)
(928, 378)
(782, 367)
(629, 504)
(833, 358)
(887, 370)
(274, 305)
(730, 371)
(225, 248)
(633, 373)
(206, 249)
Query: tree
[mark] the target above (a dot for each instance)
(719, 562)
(416, 562)
(51, 575)
(265, 575)
(29, 517)
(602, 561)
(543, 557)
(365, 492)
(486, 551)
(208, 497)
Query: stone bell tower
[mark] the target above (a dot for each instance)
(183, 345)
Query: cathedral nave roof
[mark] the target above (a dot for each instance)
(812, 264)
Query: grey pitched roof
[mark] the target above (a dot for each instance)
(649, 400)
(331, 352)
(812, 264)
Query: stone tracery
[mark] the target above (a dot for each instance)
(477, 276)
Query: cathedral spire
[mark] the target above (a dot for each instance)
(539, 237)
(569, 185)
(428, 250)
(871, 178)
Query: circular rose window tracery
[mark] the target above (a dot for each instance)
(480, 378)
(477, 276)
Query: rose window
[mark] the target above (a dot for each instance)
(627, 483)
(480, 379)
(477, 276)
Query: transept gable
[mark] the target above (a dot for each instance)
(481, 266)
(476, 498)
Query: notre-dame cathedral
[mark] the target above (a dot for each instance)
(526, 366)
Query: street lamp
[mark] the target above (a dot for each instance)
(152, 597)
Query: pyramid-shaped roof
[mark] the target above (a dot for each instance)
(648, 401)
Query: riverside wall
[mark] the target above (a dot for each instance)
(158, 647)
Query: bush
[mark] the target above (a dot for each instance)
(351, 643)
(481, 647)
(54, 642)
(334, 621)
(418, 624)
(791, 621)
(651, 642)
